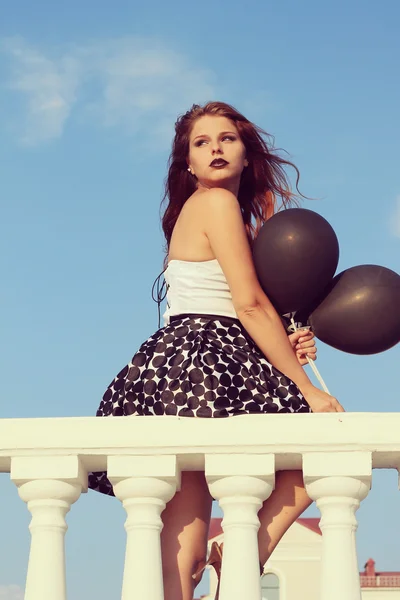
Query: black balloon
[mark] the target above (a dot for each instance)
(360, 312)
(295, 254)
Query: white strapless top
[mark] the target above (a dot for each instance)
(197, 287)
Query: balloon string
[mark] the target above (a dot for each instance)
(311, 362)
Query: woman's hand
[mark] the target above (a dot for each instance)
(303, 343)
(320, 401)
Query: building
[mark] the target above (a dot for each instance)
(293, 571)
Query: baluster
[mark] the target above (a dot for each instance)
(144, 484)
(240, 483)
(49, 485)
(338, 482)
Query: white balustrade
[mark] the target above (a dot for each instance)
(49, 459)
(338, 483)
(144, 484)
(240, 483)
(49, 485)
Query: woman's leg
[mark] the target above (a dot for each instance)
(286, 503)
(184, 536)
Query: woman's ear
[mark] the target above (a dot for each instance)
(246, 162)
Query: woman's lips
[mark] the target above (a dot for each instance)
(219, 163)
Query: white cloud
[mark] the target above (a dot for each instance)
(49, 87)
(134, 84)
(395, 218)
(11, 592)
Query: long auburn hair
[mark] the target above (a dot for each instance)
(261, 182)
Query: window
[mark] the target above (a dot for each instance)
(270, 587)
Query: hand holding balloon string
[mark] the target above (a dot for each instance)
(303, 342)
(309, 359)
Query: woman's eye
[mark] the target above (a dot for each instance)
(231, 138)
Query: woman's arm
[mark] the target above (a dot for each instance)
(224, 227)
(267, 331)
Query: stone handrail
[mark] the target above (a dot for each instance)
(48, 459)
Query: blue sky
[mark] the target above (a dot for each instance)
(89, 93)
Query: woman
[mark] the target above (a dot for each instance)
(223, 350)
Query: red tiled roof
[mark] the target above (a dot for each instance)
(215, 528)
(310, 523)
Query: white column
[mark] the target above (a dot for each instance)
(144, 484)
(49, 485)
(338, 482)
(240, 483)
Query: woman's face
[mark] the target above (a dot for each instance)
(217, 155)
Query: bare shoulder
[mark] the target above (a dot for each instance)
(218, 197)
(224, 227)
(208, 204)
(200, 199)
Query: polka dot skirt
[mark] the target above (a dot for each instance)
(198, 366)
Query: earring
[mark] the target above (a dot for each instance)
(246, 163)
(189, 169)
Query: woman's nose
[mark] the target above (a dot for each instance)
(216, 147)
